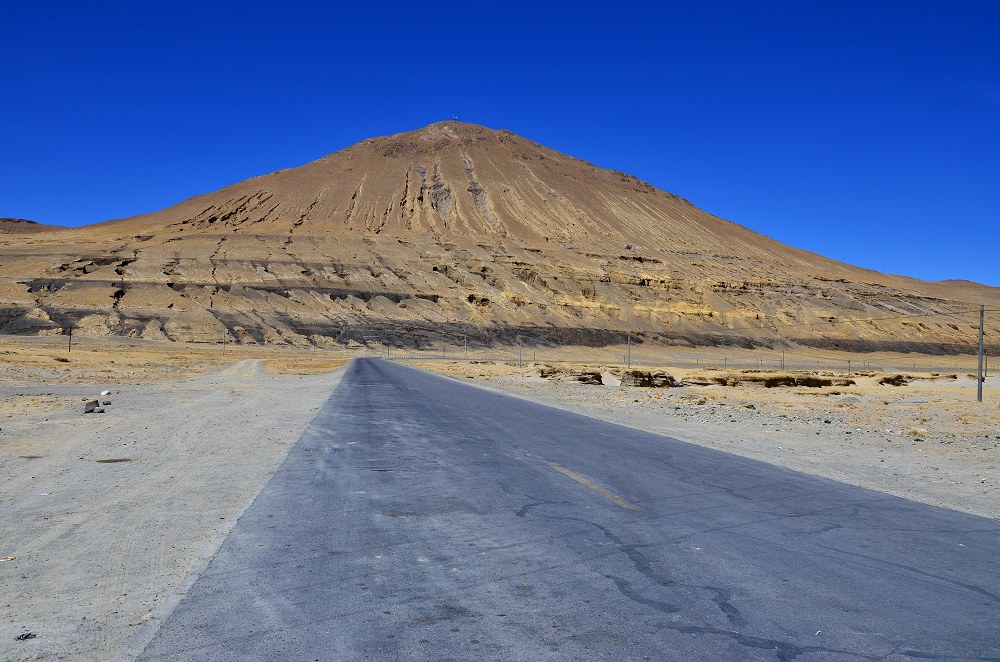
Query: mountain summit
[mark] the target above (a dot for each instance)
(456, 178)
(460, 230)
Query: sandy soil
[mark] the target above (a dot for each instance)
(105, 515)
(929, 441)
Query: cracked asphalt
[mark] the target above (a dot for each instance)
(420, 518)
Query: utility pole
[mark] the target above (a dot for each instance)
(628, 355)
(466, 339)
(70, 346)
(979, 375)
(518, 353)
(223, 341)
(782, 359)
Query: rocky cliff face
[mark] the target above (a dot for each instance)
(459, 230)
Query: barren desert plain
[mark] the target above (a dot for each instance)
(111, 516)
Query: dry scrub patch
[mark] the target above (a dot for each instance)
(46, 359)
(304, 366)
(25, 357)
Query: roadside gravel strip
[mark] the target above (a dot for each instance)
(106, 515)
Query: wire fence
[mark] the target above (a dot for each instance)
(709, 360)
(724, 358)
(644, 355)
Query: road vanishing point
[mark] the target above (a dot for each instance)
(422, 518)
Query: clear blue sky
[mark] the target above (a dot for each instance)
(868, 131)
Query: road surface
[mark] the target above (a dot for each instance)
(421, 518)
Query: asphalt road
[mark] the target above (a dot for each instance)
(420, 518)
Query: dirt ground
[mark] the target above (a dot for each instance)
(107, 517)
(928, 440)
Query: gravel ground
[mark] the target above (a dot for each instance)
(105, 515)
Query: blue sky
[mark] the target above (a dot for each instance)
(867, 131)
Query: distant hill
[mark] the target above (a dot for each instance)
(22, 226)
(459, 230)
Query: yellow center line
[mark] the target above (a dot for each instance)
(600, 489)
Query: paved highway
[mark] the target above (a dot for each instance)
(420, 518)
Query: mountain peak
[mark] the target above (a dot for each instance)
(435, 138)
(452, 230)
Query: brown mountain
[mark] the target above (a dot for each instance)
(453, 230)
(22, 226)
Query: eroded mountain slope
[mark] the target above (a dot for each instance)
(456, 230)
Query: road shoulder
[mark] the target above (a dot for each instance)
(101, 547)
